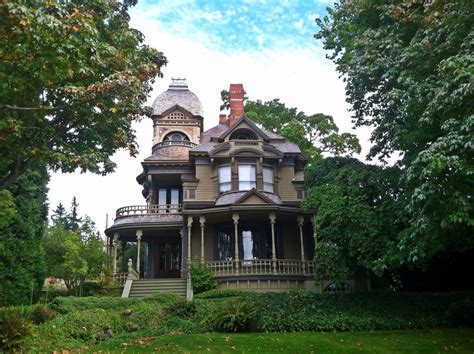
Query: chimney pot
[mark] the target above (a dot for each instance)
(222, 118)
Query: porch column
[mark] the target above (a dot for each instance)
(300, 226)
(139, 234)
(190, 225)
(315, 235)
(202, 221)
(235, 218)
(115, 242)
(272, 218)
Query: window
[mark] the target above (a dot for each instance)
(243, 134)
(247, 177)
(176, 136)
(224, 179)
(299, 194)
(268, 179)
(225, 244)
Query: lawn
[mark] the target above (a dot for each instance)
(432, 341)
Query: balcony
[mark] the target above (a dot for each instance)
(174, 143)
(282, 267)
(136, 210)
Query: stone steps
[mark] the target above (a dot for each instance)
(145, 287)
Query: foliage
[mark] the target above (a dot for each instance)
(75, 250)
(223, 293)
(22, 221)
(74, 76)
(181, 308)
(234, 316)
(408, 68)
(14, 329)
(42, 314)
(461, 312)
(358, 216)
(164, 297)
(315, 134)
(202, 278)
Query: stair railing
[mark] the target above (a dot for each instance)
(132, 273)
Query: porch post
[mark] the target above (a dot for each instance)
(189, 287)
(272, 218)
(300, 225)
(190, 225)
(115, 242)
(139, 234)
(202, 221)
(315, 235)
(235, 218)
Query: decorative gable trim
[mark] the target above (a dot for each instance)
(254, 192)
(175, 108)
(251, 125)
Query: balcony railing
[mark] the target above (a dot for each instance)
(149, 209)
(261, 267)
(174, 143)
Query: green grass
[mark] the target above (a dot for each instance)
(433, 341)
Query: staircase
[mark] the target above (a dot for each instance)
(144, 287)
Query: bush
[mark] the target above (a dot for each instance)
(202, 278)
(223, 293)
(14, 328)
(42, 314)
(181, 308)
(461, 313)
(164, 297)
(234, 316)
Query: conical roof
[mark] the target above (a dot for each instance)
(178, 93)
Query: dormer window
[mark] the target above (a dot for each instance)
(176, 136)
(243, 134)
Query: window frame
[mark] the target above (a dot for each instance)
(254, 181)
(220, 183)
(272, 169)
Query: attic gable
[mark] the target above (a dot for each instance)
(244, 123)
(176, 109)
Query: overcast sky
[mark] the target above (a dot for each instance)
(268, 46)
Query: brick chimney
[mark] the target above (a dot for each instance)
(236, 97)
(222, 119)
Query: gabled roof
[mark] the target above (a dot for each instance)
(256, 196)
(238, 125)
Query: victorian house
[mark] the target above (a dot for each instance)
(228, 197)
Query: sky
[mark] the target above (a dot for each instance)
(268, 46)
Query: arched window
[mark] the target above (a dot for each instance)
(243, 134)
(176, 136)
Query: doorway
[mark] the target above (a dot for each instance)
(168, 259)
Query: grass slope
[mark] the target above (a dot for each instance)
(433, 341)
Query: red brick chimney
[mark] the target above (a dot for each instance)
(236, 97)
(222, 119)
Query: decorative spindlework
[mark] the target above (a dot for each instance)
(149, 209)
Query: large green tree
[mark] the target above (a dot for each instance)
(23, 213)
(409, 73)
(358, 217)
(73, 77)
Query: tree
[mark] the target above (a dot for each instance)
(74, 254)
(73, 220)
(22, 222)
(358, 217)
(73, 77)
(59, 215)
(315, 134)
(408, 68)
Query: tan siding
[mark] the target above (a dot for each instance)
(205, 188)
(285, 187)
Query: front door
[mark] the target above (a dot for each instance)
(169, 260)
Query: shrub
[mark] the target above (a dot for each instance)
(14, 329)
(164, 297)
(223, 293)
(71, 303)
(202, 278)
(234, 316)
(461, 313)
(42, 314)
(181, 308)
(180, 325)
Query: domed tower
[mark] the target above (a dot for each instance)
(177, 127)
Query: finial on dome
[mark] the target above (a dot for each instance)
(178, 83)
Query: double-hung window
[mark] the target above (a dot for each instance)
(224, 179)
(268, 184)
(247, 177)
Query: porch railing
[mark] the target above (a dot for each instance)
(149, 209)
(261, 267)
(120, 278)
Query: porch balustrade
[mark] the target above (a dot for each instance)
(149, 209)
(261, 267)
